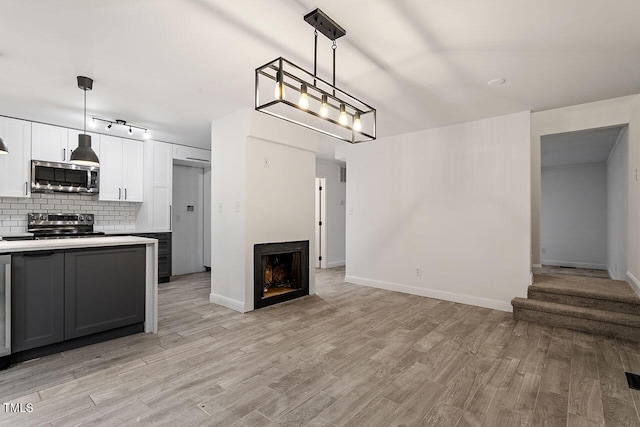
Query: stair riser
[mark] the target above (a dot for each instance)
(577, 301)
(578, 324)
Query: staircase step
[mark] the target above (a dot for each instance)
(601, 294)
(590, 320)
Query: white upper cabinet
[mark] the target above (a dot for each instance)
(133, 163)
(110, 156)
(191, 156)
(121, 169)
(49, 143)
(15, 166)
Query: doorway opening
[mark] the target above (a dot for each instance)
(583, 226)
(321, 223)
(189, 211)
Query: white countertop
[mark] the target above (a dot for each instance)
(85, 242)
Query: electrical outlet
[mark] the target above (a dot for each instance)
(237, 206)
(266, 162)
(220, 207)
(418, 271)
(350, 212)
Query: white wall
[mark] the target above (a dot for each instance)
(633, 220)
(617, 172)
(574, 216)
(335, 220)
(452, 201)
(228, 182)
(259, 204)
(592, 115)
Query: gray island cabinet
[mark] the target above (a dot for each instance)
(62, 295)
(68, 293)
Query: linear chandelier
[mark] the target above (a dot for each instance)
(110, 123)
(293, 94)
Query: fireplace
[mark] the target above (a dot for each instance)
(281, 272)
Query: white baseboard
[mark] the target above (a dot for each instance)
(635, 283)
(537, 265)
(530, 278)
(432, 293)
(227, 302)
(574, 264)
(611, 275)
(336, 264)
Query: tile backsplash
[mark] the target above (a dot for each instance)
(108, 215)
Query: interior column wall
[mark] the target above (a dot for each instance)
(617, 173)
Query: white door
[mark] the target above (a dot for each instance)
(188, 220)
(15, 167)
(49, 143)
(321, 234)
(132, 177)
(110, 168)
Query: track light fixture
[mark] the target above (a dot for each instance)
(321, 106)
(128, 126)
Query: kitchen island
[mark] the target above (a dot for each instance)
(76, 282)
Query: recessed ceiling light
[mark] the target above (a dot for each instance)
(497, 82)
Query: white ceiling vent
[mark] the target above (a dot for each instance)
(343, 174)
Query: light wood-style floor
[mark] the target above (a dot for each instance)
(349, 356)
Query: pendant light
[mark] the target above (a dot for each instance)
(3, 147)
(316, 104)
(84, 154)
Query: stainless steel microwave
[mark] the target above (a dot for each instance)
(49, 177)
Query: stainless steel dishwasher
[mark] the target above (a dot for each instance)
(5, 310)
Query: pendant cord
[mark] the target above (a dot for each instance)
(85, 111)
(315, 55)
(334, 47)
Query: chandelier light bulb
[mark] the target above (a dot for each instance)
(130, 131)
(92, 123)
(107, 127)
(146, 134)
(343, 115)
(278, 92)
(303, 102)
(324, 107)
(357, 124)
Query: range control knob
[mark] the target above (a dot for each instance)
(89, 217)
(81, 218)
(42, 217)
(34, 217)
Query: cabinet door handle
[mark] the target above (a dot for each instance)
(119, 193)
(125, 194)
(64, 154)
(38, 254)
(170, 218)
(26, 191)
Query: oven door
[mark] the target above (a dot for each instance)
(49, 177)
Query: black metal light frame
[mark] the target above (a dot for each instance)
(294, 77)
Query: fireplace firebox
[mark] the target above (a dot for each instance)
(281, 272)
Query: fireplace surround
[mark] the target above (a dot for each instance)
(281, 272)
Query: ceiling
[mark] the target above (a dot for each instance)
(574, 148)
(174, 65)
